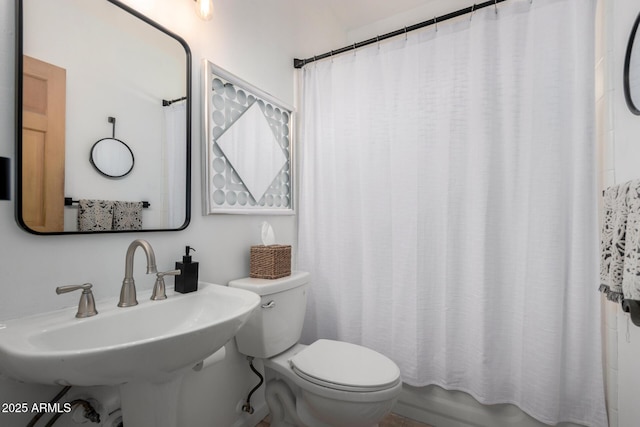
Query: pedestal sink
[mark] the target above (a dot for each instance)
(143, 349)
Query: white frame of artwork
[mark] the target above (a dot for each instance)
(281, 189)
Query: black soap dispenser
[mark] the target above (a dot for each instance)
(187, 281)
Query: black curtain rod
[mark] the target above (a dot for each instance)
(299, 63)
(166, 103)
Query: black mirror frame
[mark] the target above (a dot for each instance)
(19, 52)
(627, 63)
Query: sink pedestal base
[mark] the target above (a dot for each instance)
(150, 404)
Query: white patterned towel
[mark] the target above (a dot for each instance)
(127, 215)
(606, 238)
(618, 242)
(95, 215)
(631, 276)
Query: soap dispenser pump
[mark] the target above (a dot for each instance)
(187, 281)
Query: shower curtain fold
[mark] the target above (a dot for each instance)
(448, 206)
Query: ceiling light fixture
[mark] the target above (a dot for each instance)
(204, 9)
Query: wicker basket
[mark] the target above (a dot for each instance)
(270, 262)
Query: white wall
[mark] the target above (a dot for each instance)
(621, 157)
(604, 131)
(419, 14)
(255, 40)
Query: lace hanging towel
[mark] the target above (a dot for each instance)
(618, 242)
(631, 276)
(606, 238)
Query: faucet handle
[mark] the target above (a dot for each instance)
(87, 305)
(159, 289)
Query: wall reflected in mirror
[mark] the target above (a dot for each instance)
(85, 61)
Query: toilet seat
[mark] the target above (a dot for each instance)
(345, 366)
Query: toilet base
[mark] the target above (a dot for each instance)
(288, 411)
(295, 402)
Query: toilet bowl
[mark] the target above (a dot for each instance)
(327, 383)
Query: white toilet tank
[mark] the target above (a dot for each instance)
(276, 324)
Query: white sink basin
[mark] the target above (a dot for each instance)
(149, 342)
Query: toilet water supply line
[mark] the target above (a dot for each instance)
(247, 404)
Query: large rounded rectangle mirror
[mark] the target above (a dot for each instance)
(90, 71)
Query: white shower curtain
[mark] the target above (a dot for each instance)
(448, 206)
(175, 160)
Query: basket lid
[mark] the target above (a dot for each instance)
(271, 286)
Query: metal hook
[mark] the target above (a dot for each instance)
(495, 5)
(332, 56)
(473, 8)
(112, 120)
(435, 21)
(405, 33)
(378, 41)
(354, 49)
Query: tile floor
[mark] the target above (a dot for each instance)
(391, 420)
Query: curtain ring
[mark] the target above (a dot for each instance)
(495, 5)
(354, 49)
(378, 40)
(473, 8)
(331, 56)
(405, 33)
(435, 21)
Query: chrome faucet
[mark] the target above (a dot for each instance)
(128, 290)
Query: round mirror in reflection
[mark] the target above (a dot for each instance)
(112, 158)
(632, 70)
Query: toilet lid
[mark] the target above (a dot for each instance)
(344, 366)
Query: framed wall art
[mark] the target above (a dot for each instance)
(248, 161)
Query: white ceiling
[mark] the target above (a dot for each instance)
(358, 13)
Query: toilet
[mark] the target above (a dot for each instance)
(327, 383)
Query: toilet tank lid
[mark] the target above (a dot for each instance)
(271, 286)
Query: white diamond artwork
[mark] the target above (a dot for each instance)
(251, 148)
